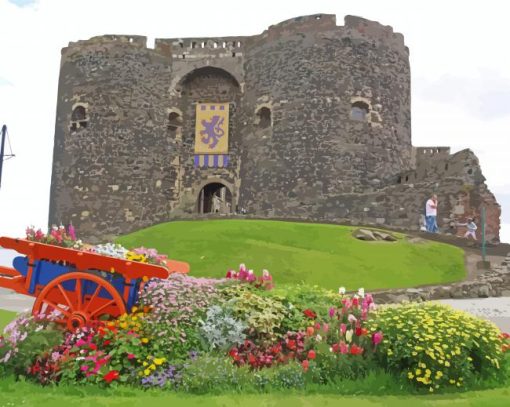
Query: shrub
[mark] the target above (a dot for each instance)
(263, 315)
(178, 304)
(212, 374)
(26, 337)
(220, 330)
(438, 347)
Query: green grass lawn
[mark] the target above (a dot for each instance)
(5, 318)
(326, 255)
(24, 394)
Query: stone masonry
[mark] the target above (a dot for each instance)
(320, 129)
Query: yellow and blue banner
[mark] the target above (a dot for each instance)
(211, 130)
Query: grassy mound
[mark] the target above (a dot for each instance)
(325, 255)
(5, 318)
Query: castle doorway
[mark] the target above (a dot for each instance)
(215, 198)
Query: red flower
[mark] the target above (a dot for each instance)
(252, 360)
(356, 350)
(92, 346)
(335, 348)
(111, 376)
(311, 354)
(130, 356)
(305, 365)
(309, 313)
(107, 342)
(291, 344)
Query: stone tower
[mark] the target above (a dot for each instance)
(319, 128)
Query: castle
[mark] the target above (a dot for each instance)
(308, 120)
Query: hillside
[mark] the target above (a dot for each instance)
(326, 255)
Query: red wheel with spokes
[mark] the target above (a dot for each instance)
(78, 299)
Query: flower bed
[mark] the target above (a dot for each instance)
(200, 335)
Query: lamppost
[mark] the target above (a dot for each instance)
(2, 150)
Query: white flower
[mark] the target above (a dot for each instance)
(361, 292)
(348, 336)
(318, 338)
(250, 272)
(265, 273)
(341, 290)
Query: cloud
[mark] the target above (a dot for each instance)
(23, 3)
(485, 96)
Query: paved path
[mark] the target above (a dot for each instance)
(495, 309)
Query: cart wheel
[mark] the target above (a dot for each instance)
(79, 298)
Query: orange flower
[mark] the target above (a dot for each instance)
(310, 331)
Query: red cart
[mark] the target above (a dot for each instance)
(78, 287)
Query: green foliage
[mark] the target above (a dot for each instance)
(25, 338)
(212, 374)
(313, 254)
(221, 330)
(329, 367)
(289, 376)
(263, 315)
(437, 347)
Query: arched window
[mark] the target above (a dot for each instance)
(264, 117)
(79, 118)
(359, 111)
(174, 122)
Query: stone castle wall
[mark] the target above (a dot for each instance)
(129, 163)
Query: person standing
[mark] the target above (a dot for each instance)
(471, 228)
(431, 214)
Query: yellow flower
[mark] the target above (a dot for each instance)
(153, 367)
(147, 372)
(159, 361)
(145, 364)
(418, 372)
(134, 309)
(145, 340)
(447, 364)
(123, 325)
(410, 375)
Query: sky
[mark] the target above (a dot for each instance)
(460, 74)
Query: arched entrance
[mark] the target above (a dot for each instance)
(215, 198)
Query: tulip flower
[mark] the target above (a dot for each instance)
(348, 336)
(377, 338)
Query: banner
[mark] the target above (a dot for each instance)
(211, 132)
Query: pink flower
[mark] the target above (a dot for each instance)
(325, 327)
(343, 328)
(352, 319)
(130, 356)
(84, 368)
(377, 338)
(331, 312)
(72, 232)
(344, 348)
